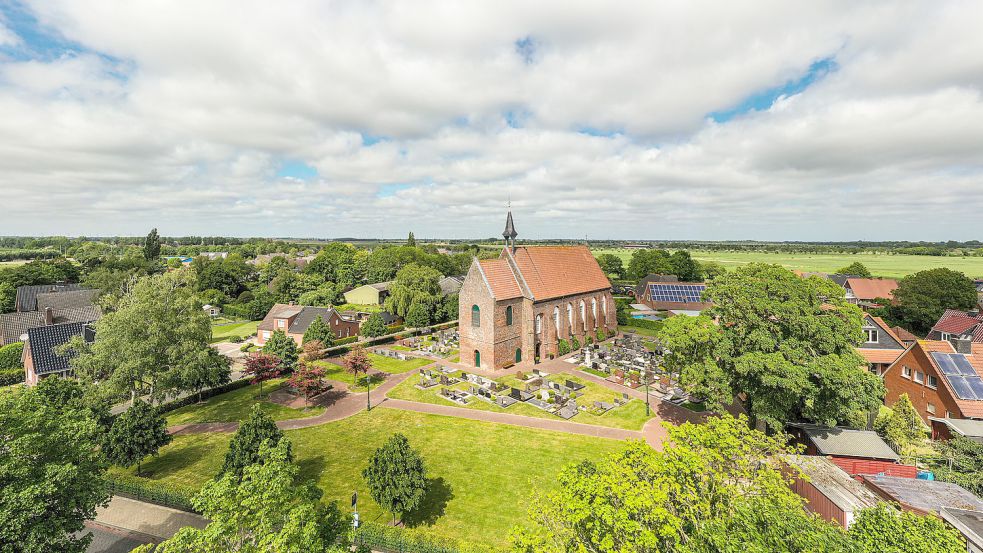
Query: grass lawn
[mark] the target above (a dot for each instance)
(629, 417)
(638, 330)
(337, 372)
(223, 332)
(880, 264)
(235, 406)
(396, 366)
(482, 473)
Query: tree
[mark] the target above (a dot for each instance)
(8, 297)
(267, 509)
(140, 431)
(415, 285)
(157, 329)
(784, 342)
(691, 345)
(902, 426)
(922, 297)
(51, 472)
(883, 529)
(313, 351)
(707, 487)
(373, 326)
(611, 265)
(357, 362)
(309, 380)
(324, 295)
(263, 366)
(419, 315)
(151, 246)
(963, 463)
(67, 393)
(646, 262)
(283, 347)
(856, 268)
(244, 448)
(411, 240)
(396, 476)
(450, 307)
(712, 269)
(207, 369)
(319, 331)
(685, 267)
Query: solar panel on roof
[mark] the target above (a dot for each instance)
(962, 387)
(963, 364)
(945, 362)
(676, 293)
(977, 385)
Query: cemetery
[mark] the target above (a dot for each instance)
(441, 344)
(534, 394)
(631, 361)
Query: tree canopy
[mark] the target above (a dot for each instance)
(679, 263)
(151, 246)
(373, 326)
(396, 476)
(282, 347)
(856, 268)
(785, 342)
(140, 431)
(922, 297)
(320, 331)
(244, 448)
(415, 295)
(611, 265)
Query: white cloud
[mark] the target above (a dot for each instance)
(187, 130)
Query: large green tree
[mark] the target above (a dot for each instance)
(373, 326)
(268, 509)
(140, 431)
(901, 424)
(785, 343)
(244, 448)
(922, 297)
(151, 246)
(856, 268)
(611, 265)
(157, 330)
(283, 347)
(396, 476)
(416, 290)
(51, 474)
(319, 330)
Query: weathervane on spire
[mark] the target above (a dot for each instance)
(510, 232)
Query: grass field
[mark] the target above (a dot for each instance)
(235, 406)
(225, 331)
(880, 264)
(481, 473)
(333, 371)
(395, 366)
(629, 417)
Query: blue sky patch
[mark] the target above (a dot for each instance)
(370, 139)
(526, 48)
(764, 99)
(389, 190)
(593, 131)
(297, 170)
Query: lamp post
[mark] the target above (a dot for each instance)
(645, 380)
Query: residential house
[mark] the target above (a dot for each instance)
(881, 346)
(212, 310)
(854, 451)
(368, 294)
(518, 306)
(863, 291)
(649, 279)
(944, 429)
(27, 296)
(941, 378)
(451, 285)
(678, 298)
(294, 320)
(829, 491)
(923, 497)
(954, 323)
(906, 337)
(42, 358)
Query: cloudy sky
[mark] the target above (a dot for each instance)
(649, 119)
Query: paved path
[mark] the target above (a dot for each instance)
(146, 519)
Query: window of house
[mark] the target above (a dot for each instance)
(948, 414)
(906, 371)
(919, 377)
(933, 382)
(930, 408)
(946, 336)
(266, 334)
(508, 315)
(871, 334)
(475, 316)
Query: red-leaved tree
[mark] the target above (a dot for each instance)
(262, 367)
(309, 380)
(358, 362)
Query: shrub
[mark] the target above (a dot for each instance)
(205, 394)
(237, 339)
(167, 495)
(11, 376)
(246, 347)
(644, 323)
(574, 343)
(10, 356)
(601, 335)
(563, 347)
(520, 375)
(348, 340)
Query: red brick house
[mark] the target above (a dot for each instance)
(675, 297)
(41, 357)
(296, 319)
(941, 378)
(955, 323)
(863, 291)
(881, 346)
(516, 308)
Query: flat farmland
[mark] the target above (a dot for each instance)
(880, 264)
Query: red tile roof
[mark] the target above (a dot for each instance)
(500, 278)
(871, 288)
(544, 272)
(904, 335)
(959, 322)
(887, 356)
(557, 271)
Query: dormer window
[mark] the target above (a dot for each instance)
(870, 335)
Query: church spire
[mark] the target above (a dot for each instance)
(510, 232)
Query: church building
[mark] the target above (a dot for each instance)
(516, 308)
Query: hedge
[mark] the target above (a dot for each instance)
(388, 539)
(347, 340)
(10, 356)
(205, 394)
(11, 376)
(644, 323)
(137, 488)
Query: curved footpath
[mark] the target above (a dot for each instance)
(342, 403)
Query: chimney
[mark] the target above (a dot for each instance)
(973, 313)
(49, 316)
(963, 344)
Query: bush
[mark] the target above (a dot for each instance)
(348, 340)
(10, 356)
(237, 339)
(387, 538)
(644, 323)
(205, 394)
(395, 328)
(601, 335)
(563, 347)
(574, 343)
(247, 347)
(137, 488)
(11, 376)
